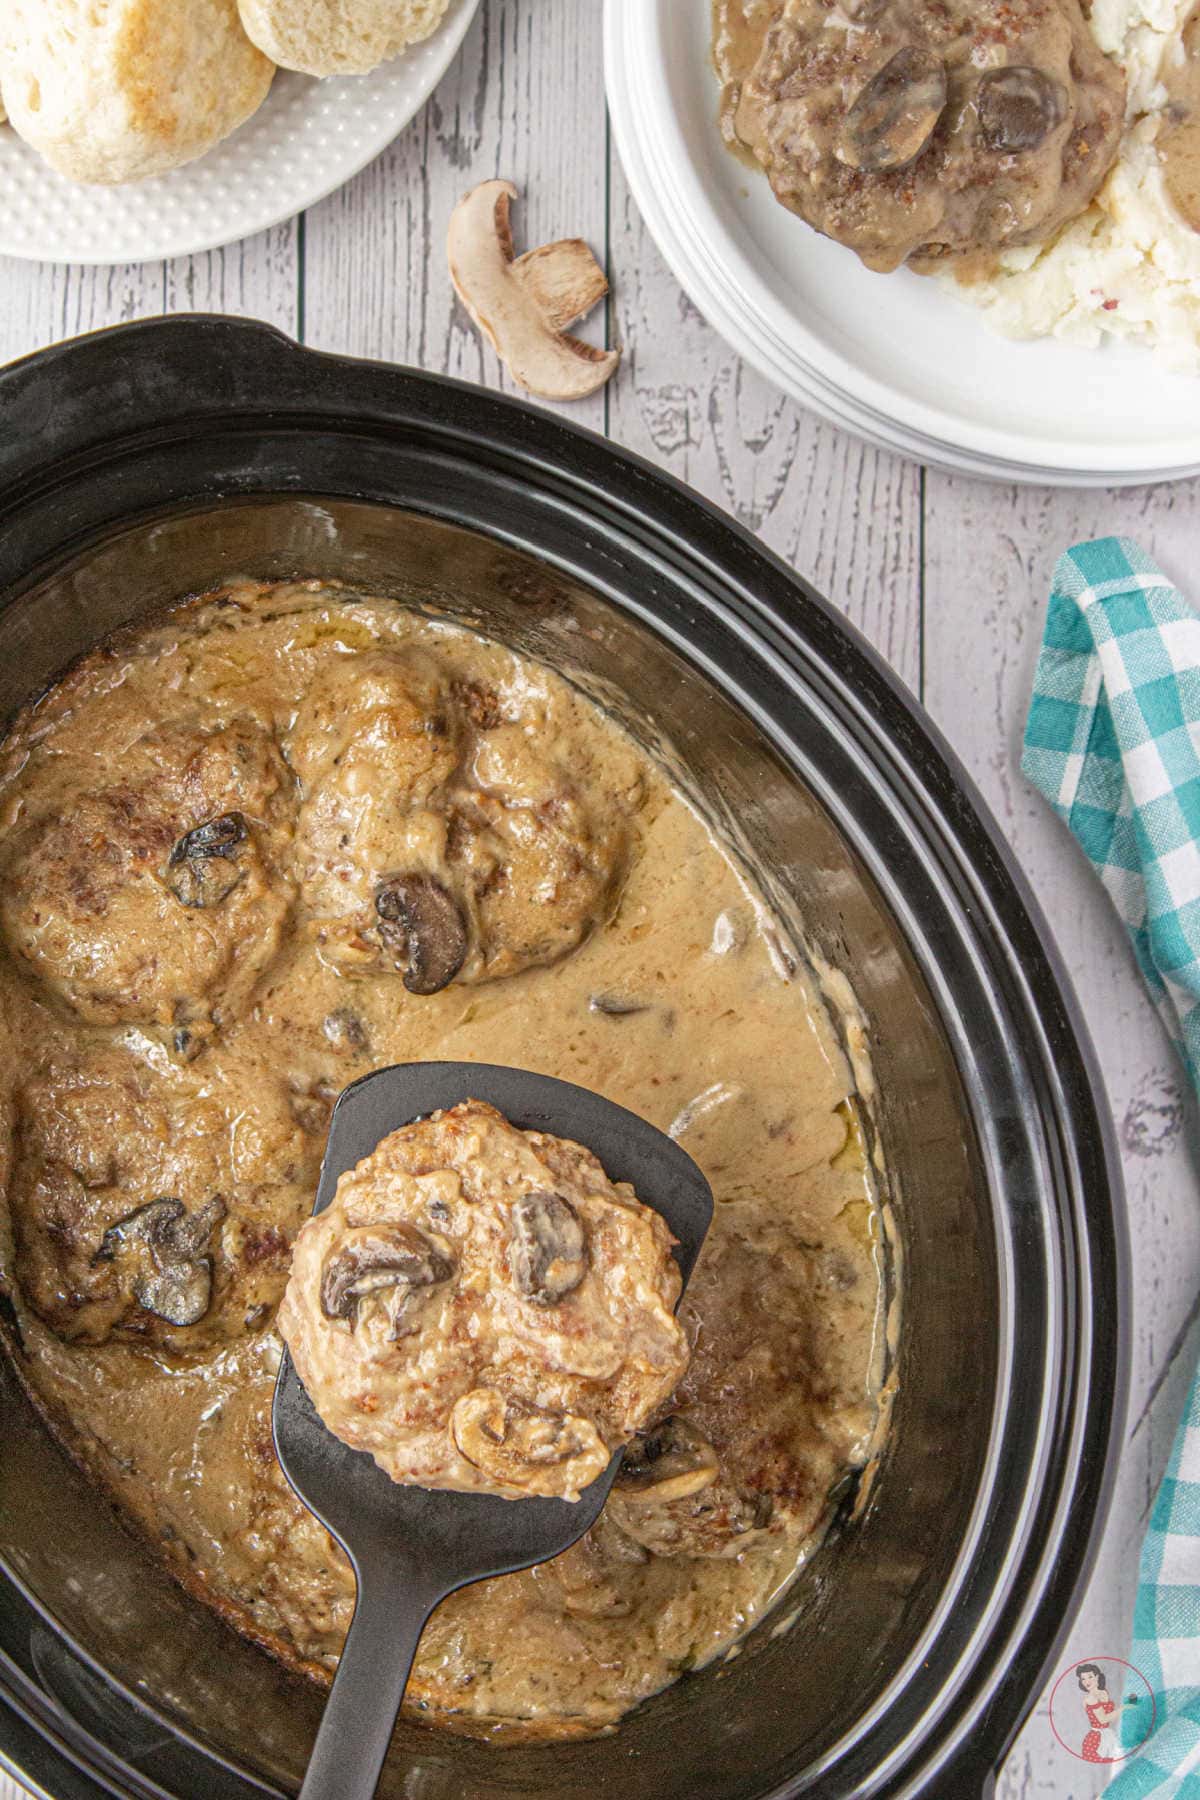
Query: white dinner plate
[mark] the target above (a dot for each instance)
(892, 357)
(305, 140)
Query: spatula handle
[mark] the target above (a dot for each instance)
(360, 1713)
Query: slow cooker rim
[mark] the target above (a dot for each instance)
(542, 435)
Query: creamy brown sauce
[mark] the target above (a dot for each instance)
(920, 130)
(739, 31)
(680, 1004)
(1179, 135)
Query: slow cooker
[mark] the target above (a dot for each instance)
(150, 461)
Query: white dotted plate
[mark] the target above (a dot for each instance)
(305, 140)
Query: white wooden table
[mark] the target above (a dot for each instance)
(946, 576)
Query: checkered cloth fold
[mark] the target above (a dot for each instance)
(1113, 742)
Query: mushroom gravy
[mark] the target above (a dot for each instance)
(1179, 135)
(205, 941)
(921, 130)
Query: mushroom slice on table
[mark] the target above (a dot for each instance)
(524, 304)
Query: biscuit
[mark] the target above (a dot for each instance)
(119, 90)
(338, 37)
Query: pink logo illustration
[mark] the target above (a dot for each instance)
(1102, 1709)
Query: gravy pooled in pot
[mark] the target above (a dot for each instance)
(285, 835)
(482, 1310)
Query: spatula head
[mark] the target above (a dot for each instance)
(449, 1539)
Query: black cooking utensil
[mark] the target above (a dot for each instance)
(411, 1546)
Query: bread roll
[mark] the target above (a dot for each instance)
(338, 37)
(118, 90)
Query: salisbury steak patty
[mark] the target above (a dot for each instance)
(749, 1449)
(483, 1310)
(150, 891)
(158, 1212)
(915, 130)
(449, 833)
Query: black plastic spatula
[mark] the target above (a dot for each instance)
(411, 1546)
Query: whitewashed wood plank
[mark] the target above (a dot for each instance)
(846, 516)
(41, 303)
(258, 279)
(524, 100)
(990, 553)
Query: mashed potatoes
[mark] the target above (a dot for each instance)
(1128, 267)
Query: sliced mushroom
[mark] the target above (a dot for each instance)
(423, 931)
(201, 869)
(179, 1294)
(1019, 107)
(518, 1445)
(549, 1246)
(345, 1030)
(895, 115)
(397, 1260)
(168, 1245)
(615, 1006)
(523, 305)
(669, 1462)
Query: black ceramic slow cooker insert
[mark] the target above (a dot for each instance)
(151, 461)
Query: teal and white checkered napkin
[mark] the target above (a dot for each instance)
(1113, 742)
